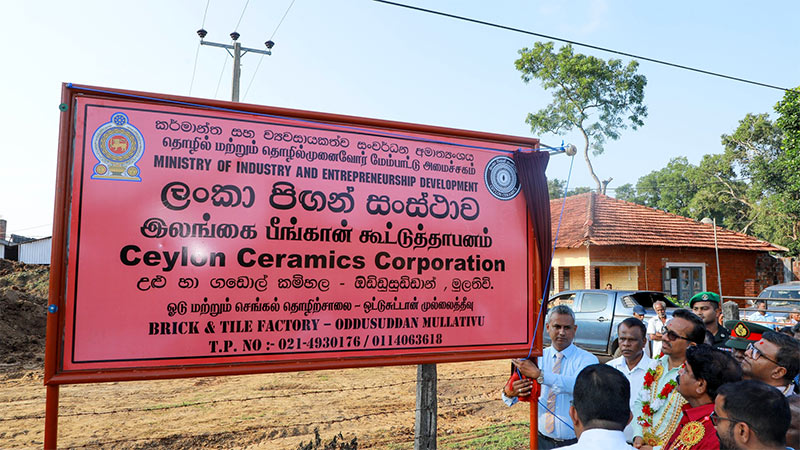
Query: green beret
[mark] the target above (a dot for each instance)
(743, 333)
(704, 297)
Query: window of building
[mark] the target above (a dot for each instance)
(565, 277)
(684, 280)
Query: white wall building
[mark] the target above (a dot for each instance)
(36, 252)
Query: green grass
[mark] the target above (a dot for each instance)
(496, 437)
(405, 446)
(401, 446)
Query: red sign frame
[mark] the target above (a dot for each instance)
(61, 323)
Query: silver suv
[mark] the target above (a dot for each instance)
(598, 313)
(775, 296)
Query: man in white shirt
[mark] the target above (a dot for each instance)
(560, 365)
(656, 326)
(794, 317)
(634, 362)
(600, 410)
(762, 316)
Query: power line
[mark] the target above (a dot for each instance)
(29, 228)
(219, 82)
(197, 52)
(242, 16)
(595, 47)
(659, 185)
(284, 16)
(194, 69)
(205, 13)
(262, 56)
(234, 37)
(688, 183)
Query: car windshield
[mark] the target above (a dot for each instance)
(780, 293)
(646, 299)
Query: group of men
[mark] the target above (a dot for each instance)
(706, 387)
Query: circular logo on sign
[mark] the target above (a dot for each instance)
(501, 178)
(118, 144)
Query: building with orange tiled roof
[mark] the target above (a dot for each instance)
(604, 240)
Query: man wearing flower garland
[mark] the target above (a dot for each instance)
(658, 407)
(706, 369)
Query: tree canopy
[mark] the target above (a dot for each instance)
(599, 98)
(753, 186)
(556, 189)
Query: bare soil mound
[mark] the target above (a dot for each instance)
(23, 313)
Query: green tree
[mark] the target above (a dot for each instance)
(753, 186)
(719, 194)
(556, 189)
(597, 97)
(733, 186)
(579, 190)
(786, 182)
(669, 189)
(626, 192)
(723, 185)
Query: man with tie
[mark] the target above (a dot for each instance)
(560, 365)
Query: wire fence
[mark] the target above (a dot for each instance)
(473, 393)
(155, 408)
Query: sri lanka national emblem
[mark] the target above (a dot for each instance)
(117, 145)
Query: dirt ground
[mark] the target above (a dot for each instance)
(272, 411)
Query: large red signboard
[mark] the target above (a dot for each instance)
(197, 238)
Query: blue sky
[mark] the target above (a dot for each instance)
(363, 58)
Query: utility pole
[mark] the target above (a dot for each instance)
(236, 51)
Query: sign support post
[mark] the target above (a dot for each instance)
(51, 417)
(534, 419)
(425, 417)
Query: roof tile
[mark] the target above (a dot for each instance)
(597, 219)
